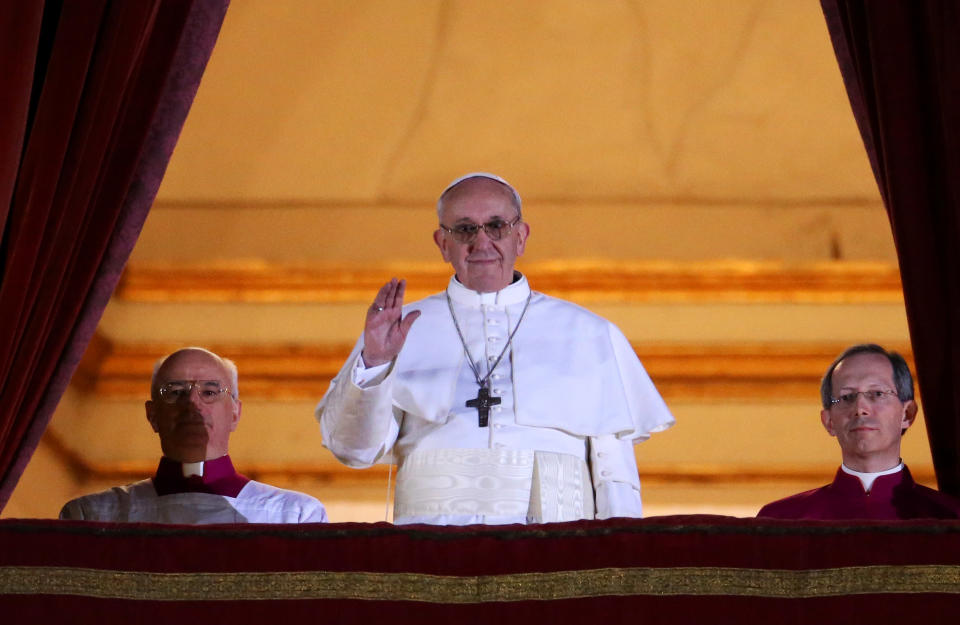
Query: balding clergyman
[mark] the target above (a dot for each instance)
(194, 407)
(499, 404)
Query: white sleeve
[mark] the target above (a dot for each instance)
(359, 424)
(315, 512)
(616, 483)
(364, 376)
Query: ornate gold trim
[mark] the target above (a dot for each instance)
(330, 472)
(278, 372)
(583, 280)
(706, 372)
(467, 589)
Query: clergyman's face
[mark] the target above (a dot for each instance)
(869, 431)
(189, 429)
(482, 265)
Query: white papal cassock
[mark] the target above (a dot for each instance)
(574, 400)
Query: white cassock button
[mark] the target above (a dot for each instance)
(605, 473)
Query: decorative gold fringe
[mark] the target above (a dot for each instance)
(640, 581)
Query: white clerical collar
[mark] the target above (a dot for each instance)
(867, 478)
(514, 293)
(192, 468)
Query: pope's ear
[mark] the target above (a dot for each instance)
(523, 231)
(441, 242)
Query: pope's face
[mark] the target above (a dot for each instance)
(483, 265)
(191, 430)
(869, 430)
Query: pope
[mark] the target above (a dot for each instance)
(499, 404)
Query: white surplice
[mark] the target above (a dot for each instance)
(139, 503)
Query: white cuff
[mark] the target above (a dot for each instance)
(365, 377)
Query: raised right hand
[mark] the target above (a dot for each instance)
(385, 329)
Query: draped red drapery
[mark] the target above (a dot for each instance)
(92, 98)
(900, 62)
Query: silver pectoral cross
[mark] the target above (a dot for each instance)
(482, 403)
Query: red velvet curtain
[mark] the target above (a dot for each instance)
(93, 95)
(900, 62)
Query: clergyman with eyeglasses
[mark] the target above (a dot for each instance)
(499, 404)
(868, 405)
(194, 406)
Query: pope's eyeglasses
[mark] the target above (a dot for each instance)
(208, 391)
(848, 400)
(467, 232)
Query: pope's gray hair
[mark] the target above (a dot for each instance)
(514, 196)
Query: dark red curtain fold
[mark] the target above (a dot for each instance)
(91, 126)
(900, 62)
(17, 60)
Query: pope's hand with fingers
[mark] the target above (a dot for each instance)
(385, 329)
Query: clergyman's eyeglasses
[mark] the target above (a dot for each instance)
(209, 391)
(848, 400)
(467, 232)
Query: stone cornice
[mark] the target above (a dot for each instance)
(280, 371)
(85, 469)
(581, 280)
